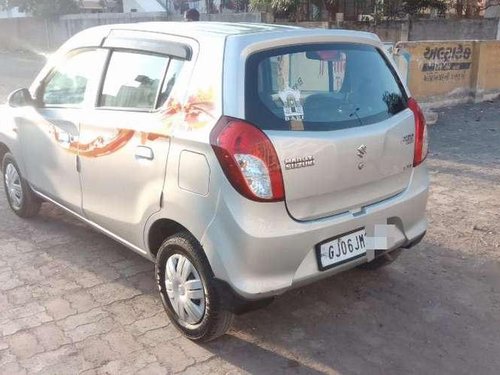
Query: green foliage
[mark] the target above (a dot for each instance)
(260, 5)
(278, 6)
(415, 7)
(285, 6)
(5, 4)
(43, 8)
(380, 9)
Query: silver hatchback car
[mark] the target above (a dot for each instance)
(244, 159)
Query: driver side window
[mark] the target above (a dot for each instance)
(70, 83)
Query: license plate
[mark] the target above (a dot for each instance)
(341, 249)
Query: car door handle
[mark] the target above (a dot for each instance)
(143, 152)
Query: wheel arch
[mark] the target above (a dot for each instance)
(159, 231)
(175, 218)
(3, 150)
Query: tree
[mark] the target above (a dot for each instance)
(331, 7)
(489, 4)
(392, 9)
(415, 7)
(472, 8)
(43, 8)
(279, 7)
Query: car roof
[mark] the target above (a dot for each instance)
(198, 30)
(245, 32)
(216, 29)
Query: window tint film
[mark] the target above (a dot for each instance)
(325, 87)
(74, 78)
(172, 77)
(132, 80)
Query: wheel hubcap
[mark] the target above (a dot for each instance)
(13, 184)
(185, 289)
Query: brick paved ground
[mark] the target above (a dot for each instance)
(73, 301)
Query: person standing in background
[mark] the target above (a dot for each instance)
(191, 15)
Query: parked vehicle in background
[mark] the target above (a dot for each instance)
(245, 160)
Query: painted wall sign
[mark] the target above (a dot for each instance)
(446, 63)
(439, 68)
(450, 71)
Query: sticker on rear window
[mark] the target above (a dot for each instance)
(292, 108)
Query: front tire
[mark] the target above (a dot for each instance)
(187, 289)
(21, 198)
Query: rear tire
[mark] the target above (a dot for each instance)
(187, 289)
(22, 200)
(382, 261)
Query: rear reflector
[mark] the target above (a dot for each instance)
(248, 159)
(421, 137)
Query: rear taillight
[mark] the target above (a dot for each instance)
(248, 159)
(421, 138)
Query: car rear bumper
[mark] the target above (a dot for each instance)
(260, 251)
(241, 305)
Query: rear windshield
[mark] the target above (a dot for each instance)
(321, 87)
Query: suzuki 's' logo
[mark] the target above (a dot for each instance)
(361, 151)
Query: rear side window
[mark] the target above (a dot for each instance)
(321, 87)
(133, 80)
(171, 79)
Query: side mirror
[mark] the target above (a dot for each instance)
(20, 98)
